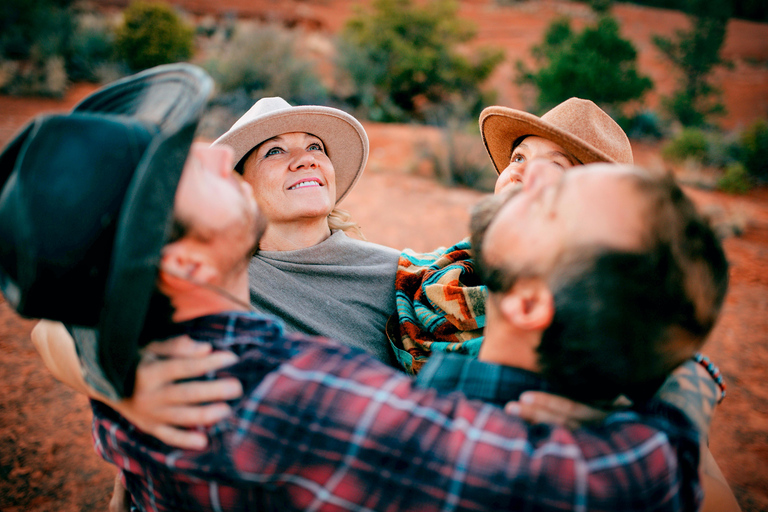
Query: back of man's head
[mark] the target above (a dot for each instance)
(624, 319)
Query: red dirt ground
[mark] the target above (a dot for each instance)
(47, 462)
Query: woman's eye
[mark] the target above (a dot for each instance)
(272, 151)
(315, 147)
(517, 159)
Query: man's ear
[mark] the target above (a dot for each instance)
(183, 260)
(529, 305)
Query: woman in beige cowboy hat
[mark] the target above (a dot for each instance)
(301, 162)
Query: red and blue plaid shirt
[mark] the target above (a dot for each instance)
(327, 427)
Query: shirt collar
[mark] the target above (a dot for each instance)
(481, 380)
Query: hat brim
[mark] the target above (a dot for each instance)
(501, 126)
(345, 140)
(169, 99)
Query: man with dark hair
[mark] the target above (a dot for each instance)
(319, 426)
(611, 328)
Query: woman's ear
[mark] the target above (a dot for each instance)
(529, 305)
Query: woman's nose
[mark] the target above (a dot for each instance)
(303, 160)
(541, 173)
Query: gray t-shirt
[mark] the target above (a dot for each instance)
(341, 288)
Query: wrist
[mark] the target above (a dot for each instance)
(713, 372)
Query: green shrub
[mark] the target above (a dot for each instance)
(462, 160)
(735, 179)
(596, 64)
(403, 62)
(153, 34)
(696, 53)
(264, 62)
(34, 38)
(644, 124)
(91, 48)
(754, 149)
(690, 143)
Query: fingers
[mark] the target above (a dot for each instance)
(181, 346)
(184, 439)
(200, 415)
(540, 407)
(178, 369)
(189, 393)
(121, 500)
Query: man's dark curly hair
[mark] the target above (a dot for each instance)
(618, 314)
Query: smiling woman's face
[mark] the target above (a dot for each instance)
(532, 148)
(292, 178)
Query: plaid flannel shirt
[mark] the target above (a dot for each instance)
(327, 427)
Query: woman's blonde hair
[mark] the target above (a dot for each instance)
(341, 219)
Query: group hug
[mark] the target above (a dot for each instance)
(246, 349)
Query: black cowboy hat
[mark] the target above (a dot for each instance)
(86, 204)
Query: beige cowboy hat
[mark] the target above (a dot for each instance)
(345, 140)
(579, 126)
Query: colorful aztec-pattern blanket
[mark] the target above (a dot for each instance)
(440, 305)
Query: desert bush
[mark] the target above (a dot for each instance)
(644, 124)
(462, 159)
(754, 149)
(34, 38)
(263, 62)
(689, 144)
(596, 64)
(153, 34)
(402, 62)
(735, 179)
(92, 47)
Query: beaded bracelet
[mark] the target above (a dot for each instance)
(713, 371)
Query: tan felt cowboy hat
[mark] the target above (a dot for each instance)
(345, 140)
(579, 126)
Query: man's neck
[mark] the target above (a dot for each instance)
(197, 300)
(517, 349)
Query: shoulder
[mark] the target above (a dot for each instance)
(362, 249)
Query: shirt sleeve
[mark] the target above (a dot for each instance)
(336, 430)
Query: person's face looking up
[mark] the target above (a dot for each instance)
(532, 148)
(292, 177)
(590, 206)
(214, 203)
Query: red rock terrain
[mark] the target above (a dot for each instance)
(47, 462)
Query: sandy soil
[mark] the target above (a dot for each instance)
(47, 462)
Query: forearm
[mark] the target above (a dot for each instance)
(57, 349)
(691, 389)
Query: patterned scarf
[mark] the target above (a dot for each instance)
(440, 305)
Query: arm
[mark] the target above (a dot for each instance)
(323, 426)
(159, 405)
(691, 389)
(335, 424)
(57, 349)
(718, 496)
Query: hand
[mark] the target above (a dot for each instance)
(540, 407)
(160, 404)
(121, 500)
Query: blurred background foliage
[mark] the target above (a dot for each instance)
(402, 61)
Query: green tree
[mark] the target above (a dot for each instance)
(595, 64)
(403, 61)
(695, 53)
(152, 34)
